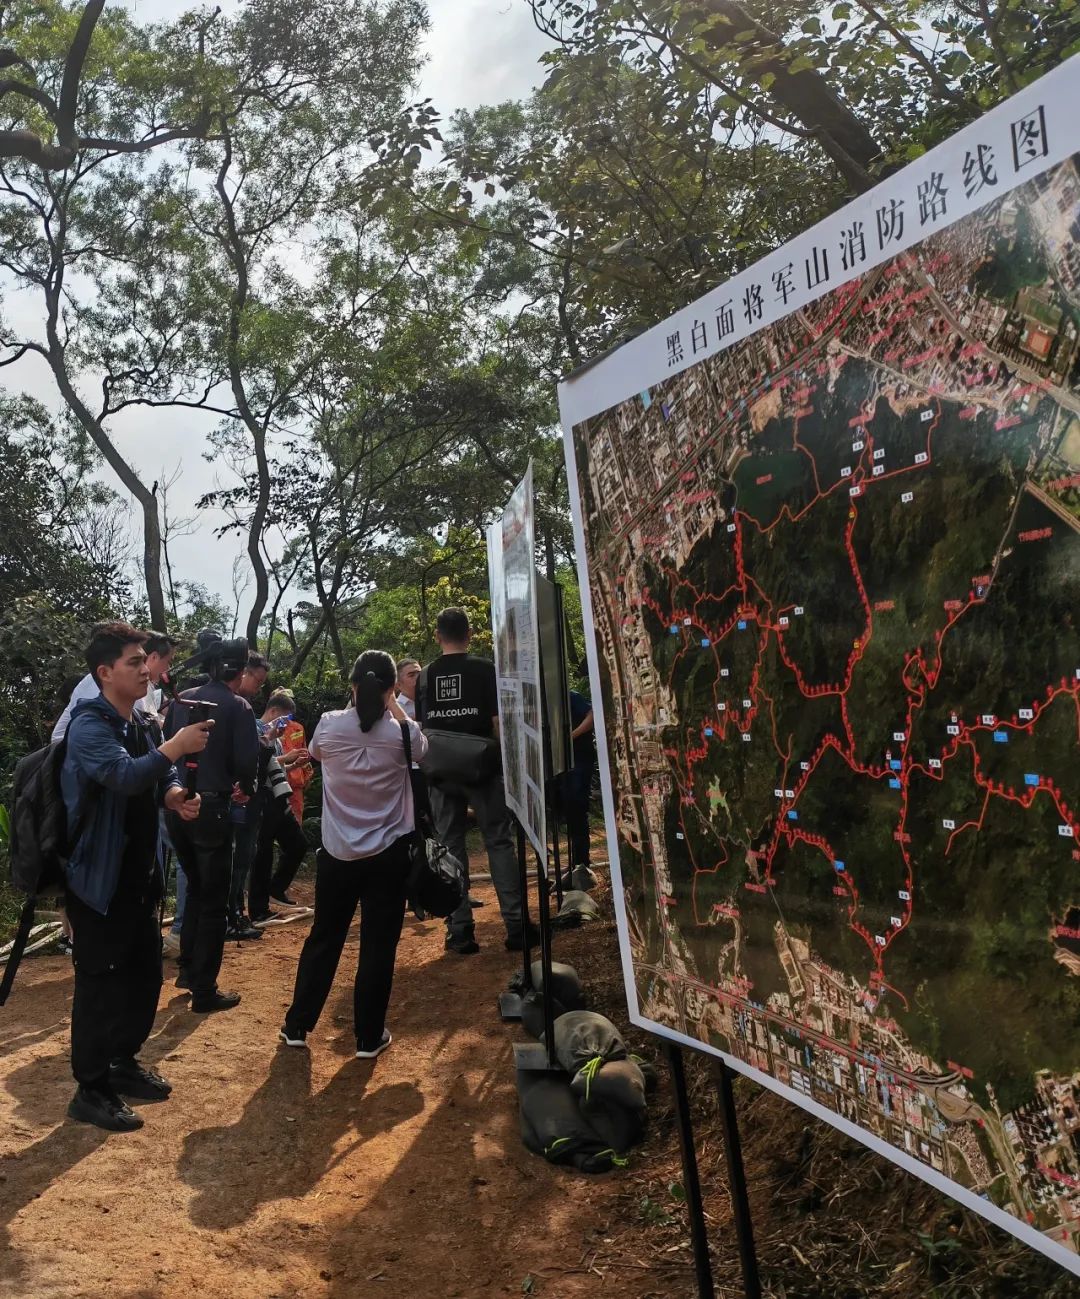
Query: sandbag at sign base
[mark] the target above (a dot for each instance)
(532, 1013)
(566, 987)
(553, 1125)
(582, 1037)
(579, 877)
(577, 908)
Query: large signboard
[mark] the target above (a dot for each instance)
(512, 583)
(828, 518)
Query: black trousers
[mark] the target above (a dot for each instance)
(378, 885)
(205, 850)
(117, 981)
(279, 825)
(577, 786)
(245, 838)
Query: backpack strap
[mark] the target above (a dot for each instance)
(421, 692)
(18, 946)
(418, 781)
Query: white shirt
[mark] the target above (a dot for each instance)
(407, 705)
(88, 688)
(366, 790)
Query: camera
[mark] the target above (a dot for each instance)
(219, 659)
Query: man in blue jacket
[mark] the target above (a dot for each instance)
(113, 779)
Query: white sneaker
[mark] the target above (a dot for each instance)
(384, 1042)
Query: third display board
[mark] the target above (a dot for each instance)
(511, 543)
(828, 519)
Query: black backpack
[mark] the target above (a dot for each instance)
(40, 844)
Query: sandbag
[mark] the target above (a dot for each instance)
(583, 1035)
(650, 1073)
(578, 877)
(552, 1125)
(565, 985)
(614, 1083)
(532, 1013)
(620, 1128)
(577, 907)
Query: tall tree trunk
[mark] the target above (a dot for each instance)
(234, 249)
(57, 358)
(147, 500)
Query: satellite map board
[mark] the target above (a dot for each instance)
(828, 520)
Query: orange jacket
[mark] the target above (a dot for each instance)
(300, 775)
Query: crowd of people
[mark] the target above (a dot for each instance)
(204, 779)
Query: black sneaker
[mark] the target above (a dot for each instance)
(294, 1037)
(241, 930)
(103, 1109)
(513, 941)
(264, 917)
(370, 1052)
(130, 1078)
(465, 945)
(475, 903)
(217, 1000)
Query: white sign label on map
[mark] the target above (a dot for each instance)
(828, 531)
(511, 578)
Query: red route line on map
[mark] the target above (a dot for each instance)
(915, 664)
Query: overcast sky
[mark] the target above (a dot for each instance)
(479, 52)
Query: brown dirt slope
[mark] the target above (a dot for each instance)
(276, 1174)
(280, 1173)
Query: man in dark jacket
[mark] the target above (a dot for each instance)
(113, 779)
(225, 779)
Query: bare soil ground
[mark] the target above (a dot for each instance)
(274, 1173)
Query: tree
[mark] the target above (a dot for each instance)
(673, 145)
(43, 91)
(262, 194)
(51, 588)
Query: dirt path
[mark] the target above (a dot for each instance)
(276, 1173)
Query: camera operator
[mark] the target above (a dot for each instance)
(225, 780)
(113, 778)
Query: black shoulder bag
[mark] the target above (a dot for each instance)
(436, 885)
(457, 757)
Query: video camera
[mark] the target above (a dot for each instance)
(220, 659)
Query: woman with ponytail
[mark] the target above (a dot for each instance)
(367, 818)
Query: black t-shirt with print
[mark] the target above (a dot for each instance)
(458, 692)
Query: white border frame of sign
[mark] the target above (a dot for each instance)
(599, 386)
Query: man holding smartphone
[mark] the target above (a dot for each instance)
(113, 779)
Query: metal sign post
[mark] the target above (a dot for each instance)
(691, 1181)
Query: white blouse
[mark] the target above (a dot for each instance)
(366, 791)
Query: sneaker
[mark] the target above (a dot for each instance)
(465, 945)
(294, 1036)
(63, 945)
(104, 1109)
(513, 940)
(265, 917)
(384, 1042)
(130, 1078)
(284, 900)
(217, 1000)
(242, 930)
(475, 903)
